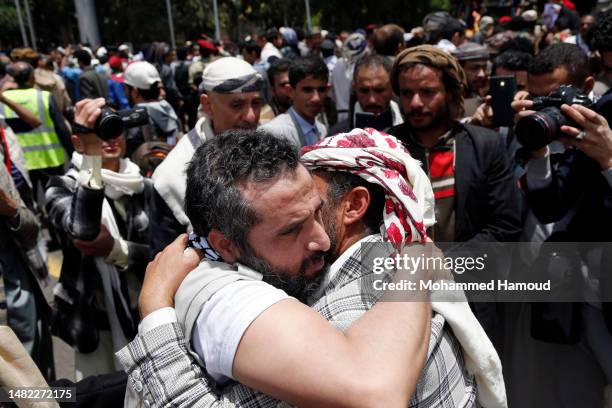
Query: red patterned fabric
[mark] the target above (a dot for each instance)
(381, 159)
(442, 173)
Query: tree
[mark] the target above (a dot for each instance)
(145, 21)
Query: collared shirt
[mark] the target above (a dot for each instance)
(310, 131)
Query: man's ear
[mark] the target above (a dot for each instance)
(224, 246)
(76, 142)
(588, 85)
(205, 102)
(355, 204)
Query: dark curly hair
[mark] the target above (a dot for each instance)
(513, 60)
(569, 56)
(303, 67)
(602, 33)
(213, 199)
(522, 44)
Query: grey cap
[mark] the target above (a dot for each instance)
(471, 51)
(485, 22)
(436, 21)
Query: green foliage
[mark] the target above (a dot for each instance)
(339, 15)
(317, 18)
(440, 5)
(8, 16)
(9, 23)
(144, 21)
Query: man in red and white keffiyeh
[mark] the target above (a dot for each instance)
(382, 160)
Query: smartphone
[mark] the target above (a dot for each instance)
(502, 90)
(369, 120)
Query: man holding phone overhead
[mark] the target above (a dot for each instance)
(496, 109)
(559, 64)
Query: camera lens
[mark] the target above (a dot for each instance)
(537, 130)
(109, 125)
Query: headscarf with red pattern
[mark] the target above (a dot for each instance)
(381, 159)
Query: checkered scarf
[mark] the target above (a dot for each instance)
(381, 159)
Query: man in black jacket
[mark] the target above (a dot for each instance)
(100, 209)
(476, 198)
(581, 186)
(92, 84)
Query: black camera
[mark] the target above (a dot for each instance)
(544, 126)
(111, 124)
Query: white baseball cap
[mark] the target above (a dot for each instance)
(141, 75)
(101, 52)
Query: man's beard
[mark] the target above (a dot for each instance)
(437, 118)
(283, 103)
(328, 215)
(298, 286)
(245, 126)
(478, 87)
(375, 108)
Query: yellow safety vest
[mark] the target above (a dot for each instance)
(41, 146)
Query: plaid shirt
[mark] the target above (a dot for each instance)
(161, 370)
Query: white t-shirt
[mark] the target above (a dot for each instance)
(224, 319)
(269, 50)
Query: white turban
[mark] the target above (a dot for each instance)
(231, 75)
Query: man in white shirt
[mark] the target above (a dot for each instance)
(354, 48)
(270, 44)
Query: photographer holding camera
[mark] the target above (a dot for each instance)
(567, 147)
(99, 208)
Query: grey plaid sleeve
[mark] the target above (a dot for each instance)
(74, 209)
(163, 373)
(444, 381)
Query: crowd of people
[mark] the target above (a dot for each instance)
(214, 205)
